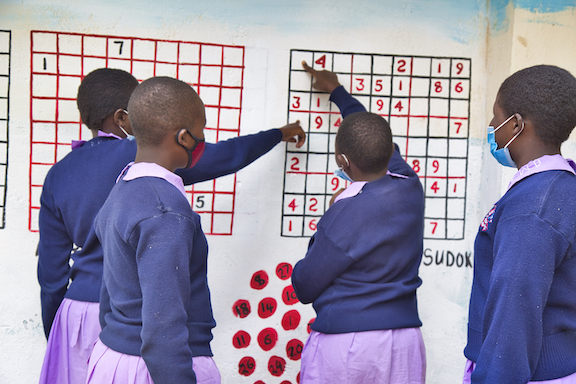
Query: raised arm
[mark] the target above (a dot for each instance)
(229, 156)
(327, 81)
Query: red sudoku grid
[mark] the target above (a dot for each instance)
(426, 100)
(59, 61)
(5, 39)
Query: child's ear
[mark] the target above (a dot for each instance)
(120, 117)
(342, 161)
(183, 137)
(519, 123)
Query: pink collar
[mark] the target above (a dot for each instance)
(135, 170)
(541, 164)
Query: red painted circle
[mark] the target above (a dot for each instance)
(241, 308)
(241, 339)
(294, 349)
(259, 382)
(308, 328)
(284, 271)
(285, 382)
(267, 338)
(267, 307)
(259, 280)
(246, 366)
(298, 378)
(276, 366)
(289, 296)
(291, 320)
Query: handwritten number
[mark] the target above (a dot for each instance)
(296, 104)
(459, 125)
(294, 166)
(460, 68)
(401, 66)
(121, 43)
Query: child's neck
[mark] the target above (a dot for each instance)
(535, 151)
(155, 155)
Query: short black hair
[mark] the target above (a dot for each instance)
(101, 93)
(365, 138)
(161, 105)
(545, 95)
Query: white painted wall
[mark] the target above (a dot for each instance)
(499, 41)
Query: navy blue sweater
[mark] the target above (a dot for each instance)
(522, 320)
(75, 189)
(361, 268)
(155, 301)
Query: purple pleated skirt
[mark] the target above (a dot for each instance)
(74, 331)
(395, 356)
(470, 365)
(106, 366)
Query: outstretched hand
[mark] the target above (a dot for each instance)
(325, 81)
(290, 131)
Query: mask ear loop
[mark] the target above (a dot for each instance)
(345, 158)
(515, 136)
(505, 121)
(122, 129)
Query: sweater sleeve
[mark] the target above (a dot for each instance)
(522, 272)
(229, 156)
(323, 263)
(163, 254)
(54, 249)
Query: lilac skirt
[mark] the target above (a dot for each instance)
(74, 331)
(470, 365)
(395, 356)
(106, 366)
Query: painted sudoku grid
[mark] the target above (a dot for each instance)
(426, 100)
(59, 61)
(5, 40)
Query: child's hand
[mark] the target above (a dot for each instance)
(334, 196)
(325, 81)
(291, 130)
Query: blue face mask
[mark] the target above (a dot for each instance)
(343, 175)
(502, 155)
(128, 136)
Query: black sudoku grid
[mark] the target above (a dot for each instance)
(59, 61)
(426, 100)
(5, 43)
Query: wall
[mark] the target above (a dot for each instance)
(496, 38)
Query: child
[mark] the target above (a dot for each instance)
(155, 302)
(361, 268)
(522, 316)
(75, 189)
